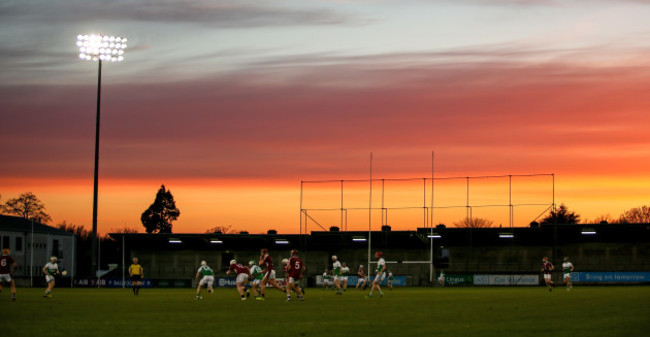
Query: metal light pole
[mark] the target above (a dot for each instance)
(99, 48)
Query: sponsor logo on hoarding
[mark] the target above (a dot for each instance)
(613, 277)
(506, 280)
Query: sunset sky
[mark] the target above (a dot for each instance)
(231, 104)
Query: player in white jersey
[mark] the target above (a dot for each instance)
(567, 269)
(50, 270)
(326, 279)
(256, 277)
(336, 271)
(345, 272)
(207, 278)
(380, 276)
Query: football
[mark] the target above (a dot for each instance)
(64, 272)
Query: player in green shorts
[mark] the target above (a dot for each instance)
(336, 272)
(567, 269)
(326, 279)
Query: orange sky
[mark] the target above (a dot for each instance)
(306, 90)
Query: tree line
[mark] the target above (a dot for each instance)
(160, 215)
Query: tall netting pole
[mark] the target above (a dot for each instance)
(432, 271)
(301, 188)
(370, 215)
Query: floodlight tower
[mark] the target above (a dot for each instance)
(99, 48)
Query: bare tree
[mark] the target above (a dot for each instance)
(636, 215)
(601, 219)
(474, 223)
(77, 230)
(124, 230)
(27, 206)
(223, 229)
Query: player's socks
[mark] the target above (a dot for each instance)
(243, 297)
(288, 298)
(133, 290)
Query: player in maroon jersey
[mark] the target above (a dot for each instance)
(363, 282)
(6, 262)
(242, 273)
(269, 274)
(294, 271)
(547, 268)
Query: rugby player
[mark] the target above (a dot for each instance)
(269, 274)
(547, 268)
(379, 276)
(6, 262)
(50, 270)
(207, 278)
(242, 273)
(294, 271)
(567, 269)
(336, 271)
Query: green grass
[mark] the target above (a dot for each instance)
(480, 312)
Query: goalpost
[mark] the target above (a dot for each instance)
(339, 203)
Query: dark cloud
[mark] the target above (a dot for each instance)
(229, 14)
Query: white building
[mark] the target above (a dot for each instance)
(32, 244)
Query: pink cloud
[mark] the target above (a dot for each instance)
(323, 121)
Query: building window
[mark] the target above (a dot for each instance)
(55, 248)
(5, 242)
(19, 244)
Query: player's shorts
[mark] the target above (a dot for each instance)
(567, 275)
(136, 278)
(241, 278)
(379, 278)
(207, 279)
(5, 277)
(343, 278)
(270, 275)
(294, 280)
(547, 277)
(327, 281)
(49, 278)
(256, 281)
(336, 277)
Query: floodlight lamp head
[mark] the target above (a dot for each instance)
(101, 48)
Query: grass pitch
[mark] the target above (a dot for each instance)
(481, 312)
